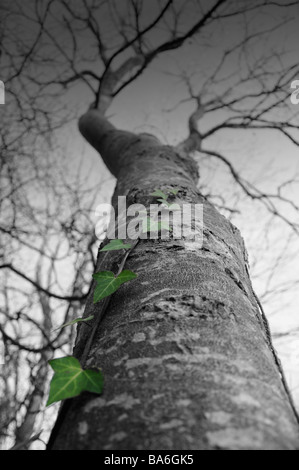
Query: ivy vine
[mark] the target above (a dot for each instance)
(70, 377)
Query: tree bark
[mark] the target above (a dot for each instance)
(184, 352)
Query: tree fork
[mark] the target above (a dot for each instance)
(184, 351)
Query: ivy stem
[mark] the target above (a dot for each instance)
(102, 312)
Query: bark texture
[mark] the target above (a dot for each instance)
(183, 348)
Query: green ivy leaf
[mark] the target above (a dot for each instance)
(70, 379)
(159, 193)
(116, 245)
(173, 191)
(108, 283)
(73, 322)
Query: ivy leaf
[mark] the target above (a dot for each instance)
(163, 201)
(108, 283)
(116, 245)
(70, 379)
(73, 322)
(151, 225)
(173, 191)
(159, 193)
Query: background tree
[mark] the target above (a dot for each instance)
(240, 87)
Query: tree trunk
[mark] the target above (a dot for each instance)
(183, 348)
